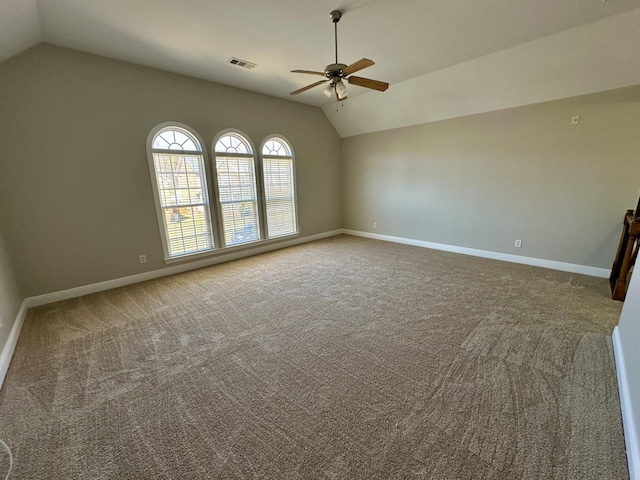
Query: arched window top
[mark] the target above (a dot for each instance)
(175, 138)
(233, 143)
(276, 147)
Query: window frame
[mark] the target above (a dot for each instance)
(259, 195)
(294, 193)
(162, 224)
(213, 207)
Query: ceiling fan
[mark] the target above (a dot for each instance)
(337, 72)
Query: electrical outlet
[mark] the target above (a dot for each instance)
(143, 259)
(518, 243)
(375, 224)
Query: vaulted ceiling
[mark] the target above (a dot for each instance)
(438, 45)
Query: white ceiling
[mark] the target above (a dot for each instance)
(591, 58)
(406, 39)
(443, 58)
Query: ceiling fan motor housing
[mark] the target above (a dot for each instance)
(334, 70)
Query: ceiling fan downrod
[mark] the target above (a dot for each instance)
(336, 15)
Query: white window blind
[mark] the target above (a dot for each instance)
(182, 192)
(236, 181)
(277, 169)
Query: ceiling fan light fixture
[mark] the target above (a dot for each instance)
(341, 90)
(328, 90)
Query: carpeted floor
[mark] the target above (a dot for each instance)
(344, 358)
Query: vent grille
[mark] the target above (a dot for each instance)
(241, 63)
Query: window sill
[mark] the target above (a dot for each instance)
(226, 250)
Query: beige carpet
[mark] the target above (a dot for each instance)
(344, 358)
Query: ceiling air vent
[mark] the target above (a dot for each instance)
(241, 63)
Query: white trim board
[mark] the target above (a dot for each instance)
(171, 270)
(12, 341)
(9, 347)
(163, 272)
(506, 257)
(628, 420)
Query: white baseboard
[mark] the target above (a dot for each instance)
(506, 257)
(171, 270)
(12, 341)
(10, 345)
(628, 420)
(163, 272)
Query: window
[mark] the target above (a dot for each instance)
(180, 187)
(236, 181)
(233, 200)
(279, 195)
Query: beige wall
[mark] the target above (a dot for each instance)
(75, 193)
(76, 204)
(484, 180)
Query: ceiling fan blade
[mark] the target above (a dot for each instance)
(308, 71)
(359, 65)
(368, 83)
(304, 89)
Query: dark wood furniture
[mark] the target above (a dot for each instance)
(626, 256)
